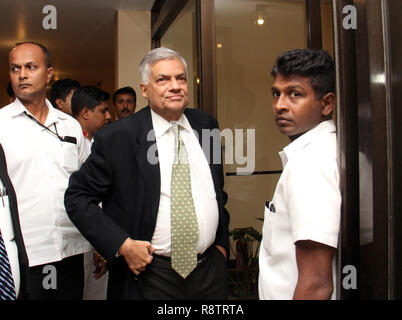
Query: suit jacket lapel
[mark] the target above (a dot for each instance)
(145, 151)
(7, 184)
(22, 255)
(3, 170)
(195, 124)
(198, 125)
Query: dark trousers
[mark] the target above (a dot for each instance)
(208, 281)
(62, 280)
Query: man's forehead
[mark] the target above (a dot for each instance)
(291, 81)
(102, 105)
(163, 65)
(26, 52)
(124, 96)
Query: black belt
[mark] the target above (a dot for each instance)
(165, 262)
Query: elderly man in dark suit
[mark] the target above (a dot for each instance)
(163, 226)
(13, 257)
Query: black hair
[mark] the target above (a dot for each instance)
(125, 90)
(87, 96)
(315, 64)
(44, 50)
(10, 90)
(61, 88)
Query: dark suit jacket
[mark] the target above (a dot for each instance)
(22, 255)
(118, 174)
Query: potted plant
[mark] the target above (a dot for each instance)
(243, 270)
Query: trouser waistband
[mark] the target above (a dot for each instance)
(165, 262)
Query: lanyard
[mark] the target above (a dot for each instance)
(62, 139)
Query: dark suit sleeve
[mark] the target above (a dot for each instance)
(222, 234)
(87, 188)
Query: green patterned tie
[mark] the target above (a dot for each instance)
(184, 226)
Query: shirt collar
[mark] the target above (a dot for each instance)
(161, 125)
(52, 117)
(305, 139)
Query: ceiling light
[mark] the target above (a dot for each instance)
(260, 14)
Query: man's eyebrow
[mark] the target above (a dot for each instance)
(289, 87)
(296, 86)
(25, 64)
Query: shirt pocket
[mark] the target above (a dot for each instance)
(269, 229)
(6, 224)
(70, 157)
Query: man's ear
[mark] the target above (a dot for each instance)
(50, 72)
(59, 104)
(84, 113)
(144, 90)
(328, 103)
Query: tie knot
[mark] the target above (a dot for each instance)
(175, 129)
(179, 147)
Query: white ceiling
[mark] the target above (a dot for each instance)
(82, 46)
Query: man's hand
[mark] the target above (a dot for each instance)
(138, 254)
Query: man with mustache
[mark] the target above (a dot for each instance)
(124, 101)
(301, 223)
(43, 146)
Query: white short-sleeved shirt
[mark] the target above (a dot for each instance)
(39, 166)
(305, 206)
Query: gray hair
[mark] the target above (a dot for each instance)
(153, 57)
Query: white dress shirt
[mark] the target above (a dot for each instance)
(202, 186)
(40, 165)
(7, 232)
(305, 206)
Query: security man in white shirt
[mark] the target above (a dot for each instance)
(301, 223)
(43, 147)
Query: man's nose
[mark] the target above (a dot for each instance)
(23, 73)
(108, 116)
(280, 104)
(174, 84)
